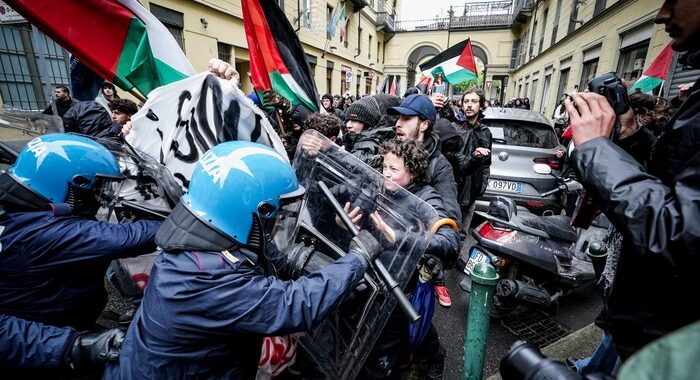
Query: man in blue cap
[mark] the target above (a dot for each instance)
(416, 119)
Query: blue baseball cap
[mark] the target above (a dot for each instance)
(415, 105)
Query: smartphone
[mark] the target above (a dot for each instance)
(441, 88)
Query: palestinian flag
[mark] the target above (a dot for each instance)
(456, 64)
(425, 85)
(277, 59)
(117, 39)
(655, 75)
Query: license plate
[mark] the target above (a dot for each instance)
(505, 186)
(475, 257)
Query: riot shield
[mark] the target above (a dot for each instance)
(312, 237)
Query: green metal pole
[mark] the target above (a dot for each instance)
(484, 279)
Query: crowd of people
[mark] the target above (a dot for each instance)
(213, 294)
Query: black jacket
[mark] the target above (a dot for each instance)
(657, 210)
(365, 145)
(441, 177)
(474, 172)
(444, 244)
(90, 118)
(61, 107)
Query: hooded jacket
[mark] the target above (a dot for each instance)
(89, 118)
(657, 211)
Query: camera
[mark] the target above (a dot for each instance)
(524, 361)
(610, 86)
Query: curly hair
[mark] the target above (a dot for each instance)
(651, 111)
(124, 105)
(327, 125)
(415, 157)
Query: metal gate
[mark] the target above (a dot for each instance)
(678, 74)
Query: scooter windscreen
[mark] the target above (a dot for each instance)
(316, 236)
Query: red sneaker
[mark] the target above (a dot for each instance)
(443, 296)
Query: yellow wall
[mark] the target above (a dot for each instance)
(605, 30)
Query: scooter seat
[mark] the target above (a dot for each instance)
(557, 226)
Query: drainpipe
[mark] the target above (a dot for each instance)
(298, 16)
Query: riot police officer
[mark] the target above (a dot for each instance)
(211, 297)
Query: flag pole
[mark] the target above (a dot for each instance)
(137, 95)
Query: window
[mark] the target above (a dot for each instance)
(588, 72)
(329, 78)
(631, 62)
(359, 42)
(544, 24)
(379, 49)
(545, 92)
(329, 14)
(306, 14)
(534, 92)
(224, 51)
(563, 80)
(21, 75)
(599, 7)
(532, 43)
(173, 21)
(518, 133)
(555, 23)
(514, 61)
(527, 88)
(574, 16)
(280, 3)
(369, 47)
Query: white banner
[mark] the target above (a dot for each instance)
(183, 120)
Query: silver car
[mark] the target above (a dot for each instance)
(522, 138)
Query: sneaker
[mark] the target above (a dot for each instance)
(443, 296)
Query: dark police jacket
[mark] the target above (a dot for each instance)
(658, 213)
(204, 314)
(52, 266)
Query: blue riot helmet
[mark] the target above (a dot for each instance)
(66, 168)
(238, 189)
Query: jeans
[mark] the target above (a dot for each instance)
(603, 360)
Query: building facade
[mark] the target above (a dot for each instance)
(537, 49)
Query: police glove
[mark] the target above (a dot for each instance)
(273, 99)
(431, 266)
(95, 349)
(365, 246)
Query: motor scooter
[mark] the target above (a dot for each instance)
(539, 258)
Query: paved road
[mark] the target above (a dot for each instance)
(575, 311)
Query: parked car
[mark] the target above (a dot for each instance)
(522, 138)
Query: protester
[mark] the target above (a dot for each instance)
(560, 117)
(417, 116)
(363, 137)
(654, 209)
(474, 160)
(327, 103)
(216, 298)
(107, 93)
(62, 101)
(405, 163)
(327, 125)
(526, 103)
(90, 119)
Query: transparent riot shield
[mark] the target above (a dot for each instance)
(313, 236)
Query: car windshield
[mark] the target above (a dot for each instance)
(520, 134)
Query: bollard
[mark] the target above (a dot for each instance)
(484, 279)
(598, 254)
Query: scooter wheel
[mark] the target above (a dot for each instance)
(500, 308)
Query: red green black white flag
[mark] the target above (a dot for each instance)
(277, 58)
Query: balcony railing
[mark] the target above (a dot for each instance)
(385, 21)
(522, 9)
(472, 15)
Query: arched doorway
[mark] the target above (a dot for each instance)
(418, 55)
